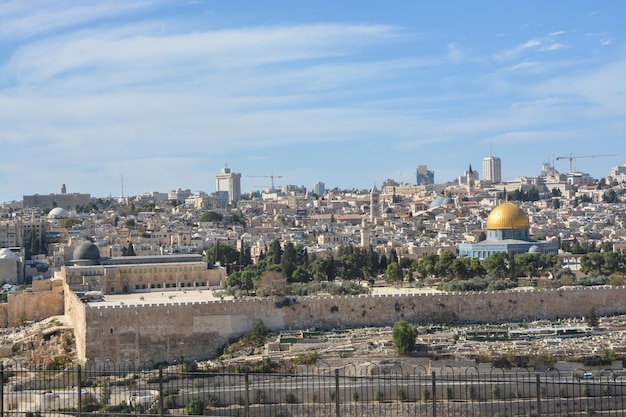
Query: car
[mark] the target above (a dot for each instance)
(587, 375)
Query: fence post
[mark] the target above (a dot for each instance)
(1, 389)
(79, 376)
(247, 403)
(337, 392)
(434, 388)
(161, 399)
(538, 396)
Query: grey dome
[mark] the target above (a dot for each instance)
(86, 251)
(436, 202)
(534, 249)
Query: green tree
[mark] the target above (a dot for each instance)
(443, 266)
(394, 273)
(496, 265)
(403, 335)
(592, 263)
(592, 318)
(323, 268)
(221, 253)
(275, 252)
(288, 259)
(105, 394)
(211, 217)
(68, 222)
(461, 268)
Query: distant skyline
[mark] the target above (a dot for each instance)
(167, 93)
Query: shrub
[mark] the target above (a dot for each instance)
(403, 335)
(195, 406)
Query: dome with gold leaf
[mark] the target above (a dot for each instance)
(507, 216)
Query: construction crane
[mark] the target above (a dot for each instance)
(272, 176)
(571, 158)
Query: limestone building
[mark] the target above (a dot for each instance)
(128, 274)
(507, 231)
(63, 200)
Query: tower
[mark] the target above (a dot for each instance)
(365, 234)
(470, 181)
(230, 182)
(424, 176)
(492, 169)
(374, 203)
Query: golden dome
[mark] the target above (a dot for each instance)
(507, 216)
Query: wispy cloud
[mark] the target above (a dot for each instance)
(127, 57)
(20, 19)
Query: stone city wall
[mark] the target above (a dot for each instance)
(165, 332)
(75, 310)
(33, 305)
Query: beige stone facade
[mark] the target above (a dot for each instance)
(165, 331)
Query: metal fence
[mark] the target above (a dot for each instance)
(269, 389)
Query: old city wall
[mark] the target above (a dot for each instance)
(44, 300)
(75, 311)
(165, 332)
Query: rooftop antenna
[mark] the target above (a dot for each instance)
(122, 187)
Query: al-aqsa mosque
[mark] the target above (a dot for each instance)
(507, 231)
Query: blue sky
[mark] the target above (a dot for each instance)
(350, 93)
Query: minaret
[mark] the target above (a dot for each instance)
(374, 204)
(63, 189)
(365, 234)
(470, 181)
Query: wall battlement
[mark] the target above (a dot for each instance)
(314, 299)
(196, 330)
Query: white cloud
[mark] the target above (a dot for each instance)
(552, 47)
(531, 44)
(135, 59)
(23, 19)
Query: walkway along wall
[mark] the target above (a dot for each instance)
(165, 332)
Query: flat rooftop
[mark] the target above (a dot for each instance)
(190, 295)
(194, 295)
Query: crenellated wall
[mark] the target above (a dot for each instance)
(165, 332)
(44, 300)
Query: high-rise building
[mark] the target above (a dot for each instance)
(424, 176)
(230, 182)
(492, 169)
(319, 188)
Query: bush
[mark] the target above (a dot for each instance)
(195, 406)
(403, 335)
